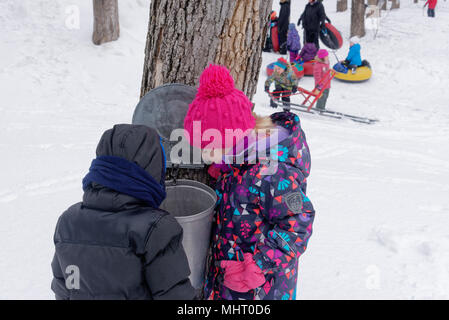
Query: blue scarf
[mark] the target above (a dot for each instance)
(125, 177)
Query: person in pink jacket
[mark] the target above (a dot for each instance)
(320, 70)
(431, 9)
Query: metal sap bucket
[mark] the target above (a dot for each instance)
(192, 203)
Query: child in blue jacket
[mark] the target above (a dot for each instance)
(354, 58)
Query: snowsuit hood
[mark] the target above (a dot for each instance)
(293, 39)
(137, 144)
(308, 52)
(265, 213)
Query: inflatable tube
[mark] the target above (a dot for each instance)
(331, 37)
(363, 73)
(275, 38)
(298, 69)
(308, 68)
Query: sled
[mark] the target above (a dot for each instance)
(275, 36)
(308, 68)
(297, 68)
(331, 37)
(362, 74)
(310, 99)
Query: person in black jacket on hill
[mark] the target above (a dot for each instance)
(116, 243)
(283, 23)
(313, 19)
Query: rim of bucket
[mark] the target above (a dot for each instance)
(197, 185)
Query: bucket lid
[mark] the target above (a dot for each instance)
(164, 109)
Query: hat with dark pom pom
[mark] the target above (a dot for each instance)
(218, 105)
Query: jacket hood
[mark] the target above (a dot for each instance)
(292, 150)
(310, 48)
(137, 144)
(288, 146)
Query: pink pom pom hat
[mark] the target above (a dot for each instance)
(218, 105)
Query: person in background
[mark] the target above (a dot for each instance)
(354, 58)
(293, 42)
(313, 19)
(431, 7)
(320, 72)
(285, 82)
(308, 52)
(271, 24)
(263, 216)
(116, 241)
(283, 23)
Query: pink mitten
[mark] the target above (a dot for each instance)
(254, 276)
(242, 276)
(233, 275)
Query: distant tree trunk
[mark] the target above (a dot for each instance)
(185, 36)
(106, 21)
(358, 18)
(342, 5)
(395, 4)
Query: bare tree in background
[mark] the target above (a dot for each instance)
(342, 5)
(106, 21)
(184, 36)
(395, 4)
(358, 18)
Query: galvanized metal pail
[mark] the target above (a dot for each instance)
(192, 203)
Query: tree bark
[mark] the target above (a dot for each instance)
(184, 36)
(106, 21)
(358, 18)
(395, 4)
(342, 5)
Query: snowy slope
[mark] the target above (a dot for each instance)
(380, 191)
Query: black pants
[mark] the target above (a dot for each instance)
(285, 97)
(312, 36)
(431, 13)
(283, 40)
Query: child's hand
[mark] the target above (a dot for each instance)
(242, 276)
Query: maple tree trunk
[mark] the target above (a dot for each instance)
(184, 36)
(358, 18)
(106, 21)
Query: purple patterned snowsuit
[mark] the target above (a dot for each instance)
(269, 216)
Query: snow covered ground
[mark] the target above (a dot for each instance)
(380, 191)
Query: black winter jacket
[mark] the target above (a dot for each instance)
(113, 246)
(284, 17)
(313, 16)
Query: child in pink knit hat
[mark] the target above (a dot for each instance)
(218, 105)
(263, 217)
(320, 71)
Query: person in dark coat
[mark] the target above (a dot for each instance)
(283, 22)
(313, 19)
(116, 244)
